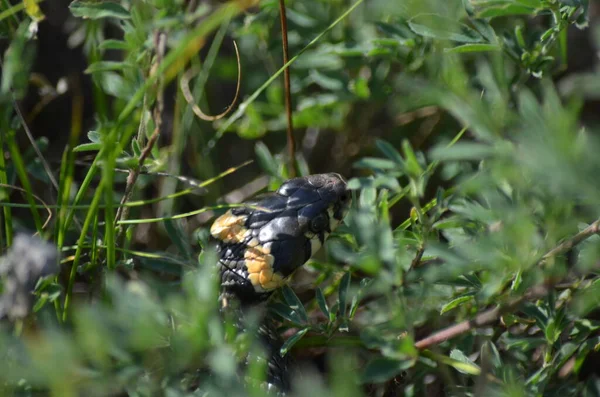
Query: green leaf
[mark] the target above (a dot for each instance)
(103, 66)
(442, 28)
(573, 3)
(96, 10)
(375, 163)
(87, 147)
(329, 81)
(295, 304)
(266, 160)
(463, 151)
(587, 299)
(449, 223)
(302, 19)
(455, 303)
(473, 48)
(381, 369)
(287, 313)
(360, 88)
(357, 297)
(462, 363)
(399, 30)
(292, 340)
(113, 45)
(163, 262)
(389, 151)
(342, 296)
(555, 327)
(179, 237)
(322, 302)
(486, 30)
(505, 10)
(94, 136)
(48, 292)
(524, 344)
(413, 168)
(531, 3)
(489, 353)
(17, 62)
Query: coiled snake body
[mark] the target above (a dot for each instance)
(262, 244)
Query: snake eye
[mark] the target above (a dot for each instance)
(344, 197)
(319, 223)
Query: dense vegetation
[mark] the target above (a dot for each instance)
(468, 264)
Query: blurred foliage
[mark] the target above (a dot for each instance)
(474, 176)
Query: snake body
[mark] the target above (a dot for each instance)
(263, 242)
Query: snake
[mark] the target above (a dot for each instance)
(261, 243)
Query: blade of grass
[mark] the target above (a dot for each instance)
(33, 143)
(87, 181)
(182, 126)
(8, 226)
(67, 168)
(185, 214)
(91, 214)
(21, 170)
(139, 202)
(242, 108)
(176, 59)
(141, 254)
(37, 206)
(108, 177)
(95, 55)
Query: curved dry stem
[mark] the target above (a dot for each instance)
(35, 197)
(189, 98)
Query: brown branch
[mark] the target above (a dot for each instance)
(288, 93)
(494, 314)
(123, 211)
(189, 98)
(566, 245)
(417, 259)
(480, 320)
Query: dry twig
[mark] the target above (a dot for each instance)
(38, 198)
(494, 314)
(123, 211)
(288, 93)
(187, 94)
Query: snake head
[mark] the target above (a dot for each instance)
(263, 243)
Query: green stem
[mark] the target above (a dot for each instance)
(86, 224)
(8, 227)
(22, 173)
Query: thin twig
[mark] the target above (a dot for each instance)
(288, 93)
(419, 255)
(123, 211)
(480, 320)
(494, 314)
(34, 145)
(187, 94)
(46, 206)
(566, 245)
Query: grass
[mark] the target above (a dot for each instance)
(467, 263)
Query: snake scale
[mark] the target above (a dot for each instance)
(263, 242)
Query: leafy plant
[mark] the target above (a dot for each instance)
(467, 265)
